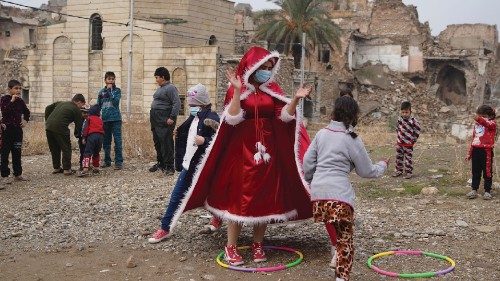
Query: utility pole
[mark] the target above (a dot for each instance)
(130, 55)
(302, 62)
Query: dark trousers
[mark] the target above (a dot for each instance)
(164, 146)
(59, 143)
(93, 146)
(12, 138)
(178, 192)
(113, 130)
(479, 166)
(404, 159)
(81, 148)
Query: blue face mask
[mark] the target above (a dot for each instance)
(262, 76)
(193, 110)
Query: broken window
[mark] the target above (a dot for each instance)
(7, 33)
(297, 54)
(212, 40)
(96, 32)
(25, 95)
(452, 86)
(32, 36)
(324, 53)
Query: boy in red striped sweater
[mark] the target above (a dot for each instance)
(408, 132)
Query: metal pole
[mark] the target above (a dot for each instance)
(130, 54)
(302, 62)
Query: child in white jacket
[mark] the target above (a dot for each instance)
(335, 151)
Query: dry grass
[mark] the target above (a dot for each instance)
(138, 143)
(137, 140)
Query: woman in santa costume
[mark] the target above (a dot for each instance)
(252, 172)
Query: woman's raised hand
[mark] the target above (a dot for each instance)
(304, 91)
(233, 78)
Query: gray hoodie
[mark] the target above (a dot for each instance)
(332, 155)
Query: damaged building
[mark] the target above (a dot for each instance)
(72, 56)
(387, 56)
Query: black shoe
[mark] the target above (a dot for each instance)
(154, 168)
(106, 165)
(169, 172)
(118, 167)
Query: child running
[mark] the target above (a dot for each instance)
(481, 151)
(333, 154)
(191, 141)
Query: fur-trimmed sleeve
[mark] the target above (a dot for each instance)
(284, 115)
(230, 119)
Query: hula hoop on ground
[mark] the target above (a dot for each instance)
(411, 253)
(278, 267)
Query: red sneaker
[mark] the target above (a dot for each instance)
(231, 255)
(214, 225)
(158, 236)
(258, 252)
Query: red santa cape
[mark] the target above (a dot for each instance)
(252, 170)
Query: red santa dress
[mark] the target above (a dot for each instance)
(252, 170)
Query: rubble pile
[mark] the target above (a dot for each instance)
(380, 101)
(11, 66)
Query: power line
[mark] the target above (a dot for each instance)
(118, 23)
(175, 21)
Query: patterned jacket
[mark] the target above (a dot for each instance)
(408, 131)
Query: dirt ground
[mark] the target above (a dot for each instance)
(56, 227)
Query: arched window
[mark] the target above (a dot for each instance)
(212, 40)
(95, 32)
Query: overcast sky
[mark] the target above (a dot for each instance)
(439, 13)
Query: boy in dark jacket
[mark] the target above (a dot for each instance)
(14, 111)
(192, 139)
(92, 136)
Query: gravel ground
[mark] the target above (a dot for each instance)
(57, 227)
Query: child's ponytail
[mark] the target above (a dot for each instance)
(346, 110)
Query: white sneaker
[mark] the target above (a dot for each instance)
(7, 180)
(472, 194)
(333, 263)
(487, 196)
(339, 279)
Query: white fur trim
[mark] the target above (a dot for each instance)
(204, 158)
(190, 190)
(285, 116)
(233, 120)
(225, 215)
(257, 65)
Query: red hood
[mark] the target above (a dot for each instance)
(251, 61)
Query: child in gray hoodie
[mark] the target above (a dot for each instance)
(335, 151)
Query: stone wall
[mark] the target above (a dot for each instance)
(470, 36)
(394, 18)
(63, 64)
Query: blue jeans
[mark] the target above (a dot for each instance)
(113, 129)
(178, 192)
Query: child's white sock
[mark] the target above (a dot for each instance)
(333, 263)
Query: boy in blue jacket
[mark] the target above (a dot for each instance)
(108, 99)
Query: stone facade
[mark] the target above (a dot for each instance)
(65, 63)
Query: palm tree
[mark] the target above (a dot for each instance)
(285, 26)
